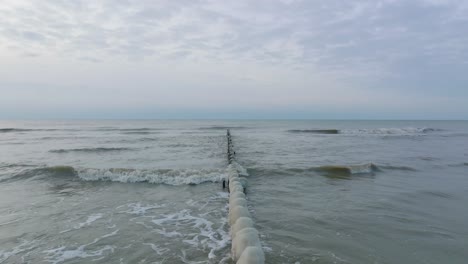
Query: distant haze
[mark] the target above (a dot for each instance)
(330, 59)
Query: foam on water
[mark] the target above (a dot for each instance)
(239, 169)
(156, 176)
(90, 220)
(207, 236)
(369, 131)
(390, 131)
(170, 177)
(25, 245)
(160, 251)
(139, 209)
(62, 254)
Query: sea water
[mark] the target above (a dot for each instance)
(151, 191)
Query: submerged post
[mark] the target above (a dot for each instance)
(230, 151)
(246, 247)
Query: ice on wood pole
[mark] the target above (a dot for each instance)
(246, 247)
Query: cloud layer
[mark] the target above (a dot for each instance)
(395, 58)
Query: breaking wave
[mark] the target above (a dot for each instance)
(169, 177)
(125, 175)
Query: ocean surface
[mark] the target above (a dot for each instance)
(151, 192)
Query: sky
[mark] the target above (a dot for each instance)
(274, 59)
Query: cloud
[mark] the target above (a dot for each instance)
(360, 46)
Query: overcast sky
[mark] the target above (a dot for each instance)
(389, 59)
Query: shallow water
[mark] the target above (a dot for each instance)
(150, 191)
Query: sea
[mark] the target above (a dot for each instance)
(150, 191)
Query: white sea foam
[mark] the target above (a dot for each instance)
(90, 220)
(170, 177)
(206, 236)
(157, 249)
(240, 170)
(62, 254)
(363, 168)
(111, 234)
(23, 246)
(139, 209)
(390, 131)
(169, 234)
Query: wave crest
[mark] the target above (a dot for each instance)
(315, 131)
(370, 131)
(170, 177)
(348, 169)
(6, 130)
(221, 127)
(391, 131)
(126, 175)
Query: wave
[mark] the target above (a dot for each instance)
(238, 168)
(89, 150)
(367, 168)
(221, 127)
(57, 170)
(331, 170)
(391, 131)
(148, 139)
(401, 168)
(463, 164)
(169, 177)
(21, 172)
(437, 194)
(126, 175)
(6, 130)
(347, 170)
(138, 132)
(137, 129)
(63, 137)
(14, 165)
(315, 131)
(370, 131)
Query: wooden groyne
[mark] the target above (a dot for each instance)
(246, 247)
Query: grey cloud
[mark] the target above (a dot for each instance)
(377, 42)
